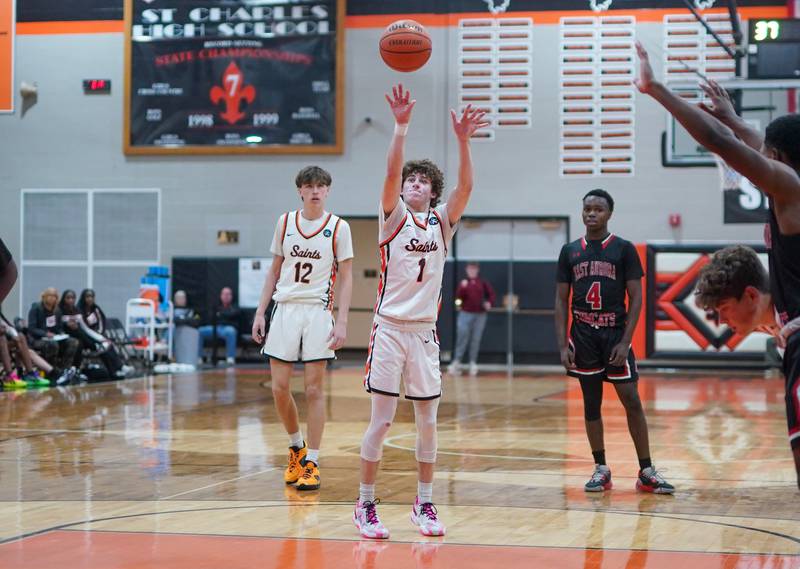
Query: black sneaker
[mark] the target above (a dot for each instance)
(600, 480)
(650, 480)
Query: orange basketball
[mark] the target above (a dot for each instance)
(405, 45)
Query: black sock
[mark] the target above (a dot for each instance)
(645, 463)
(599, 456)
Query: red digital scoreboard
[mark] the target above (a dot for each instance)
(96, 86)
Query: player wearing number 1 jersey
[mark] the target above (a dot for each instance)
(414, 235)
(310, 247)
(600, 269)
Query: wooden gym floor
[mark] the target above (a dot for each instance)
(186, 472)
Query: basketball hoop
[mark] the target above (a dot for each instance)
(730, 179)
(600, 5)
(497, 6)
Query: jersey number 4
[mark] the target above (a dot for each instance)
(593, 297)
(302, 267)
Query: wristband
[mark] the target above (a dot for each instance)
(400, 129)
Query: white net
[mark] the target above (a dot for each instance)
(729, 178)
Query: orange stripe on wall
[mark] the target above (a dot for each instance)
(429, 20)
(56, 28)
(553, 17)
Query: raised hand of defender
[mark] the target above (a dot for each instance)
(619, 354)
(400, 104)
(470, 121)
(644, 82)
(721, 106)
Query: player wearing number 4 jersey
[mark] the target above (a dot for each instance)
(309, 247)
(601, 268)
(415, 234)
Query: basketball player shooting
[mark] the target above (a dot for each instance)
(415, 233)
(771, 163)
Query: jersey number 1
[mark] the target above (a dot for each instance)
(302, 279)
(593, 297)
(421, 269)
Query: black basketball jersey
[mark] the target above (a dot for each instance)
(784, 269)
(598, 272)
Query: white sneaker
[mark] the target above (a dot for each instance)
(230, 361)
(128, 370)
(365, 518)
(426, 518)
(454, 368)
(473, 368)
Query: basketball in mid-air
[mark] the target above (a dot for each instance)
(405, 45)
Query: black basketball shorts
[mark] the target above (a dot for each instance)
(592, 348)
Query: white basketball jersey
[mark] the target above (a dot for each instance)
(308, 273)
(412, 265)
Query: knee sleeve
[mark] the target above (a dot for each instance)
(425, 417)
(383, 410)
(592, 389)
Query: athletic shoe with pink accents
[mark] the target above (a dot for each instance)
(365, 517)
(426, 518)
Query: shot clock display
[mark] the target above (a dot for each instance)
(774, 49)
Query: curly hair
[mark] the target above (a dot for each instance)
(729, 273)
(312, 175)
(430, 171)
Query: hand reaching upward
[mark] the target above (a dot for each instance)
(471, 120)
(646, 79)
(721, 106)
(400, 104)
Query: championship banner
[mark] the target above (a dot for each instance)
(234, 76)
(7, 56)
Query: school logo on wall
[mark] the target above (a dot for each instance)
(497, 6)
(232, 93)
(600, 5)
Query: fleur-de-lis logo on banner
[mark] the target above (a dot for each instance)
(233, 92)
(497, 6)
(600, 5)
(704, 4)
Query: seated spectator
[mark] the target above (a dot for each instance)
(75, 326)
(11, 379)
(30, 360)
(47, 332)
(226, 317)
(182, 314)
(93, 315)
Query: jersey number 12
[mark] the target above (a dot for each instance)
(307, 267)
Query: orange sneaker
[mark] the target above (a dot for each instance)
(310, 477)
(295, 469)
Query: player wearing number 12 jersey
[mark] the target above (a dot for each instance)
(310, 247)
(600, 269)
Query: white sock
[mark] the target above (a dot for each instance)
(366, 493)
(425, 492)
(296, 439)
(313, 455)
